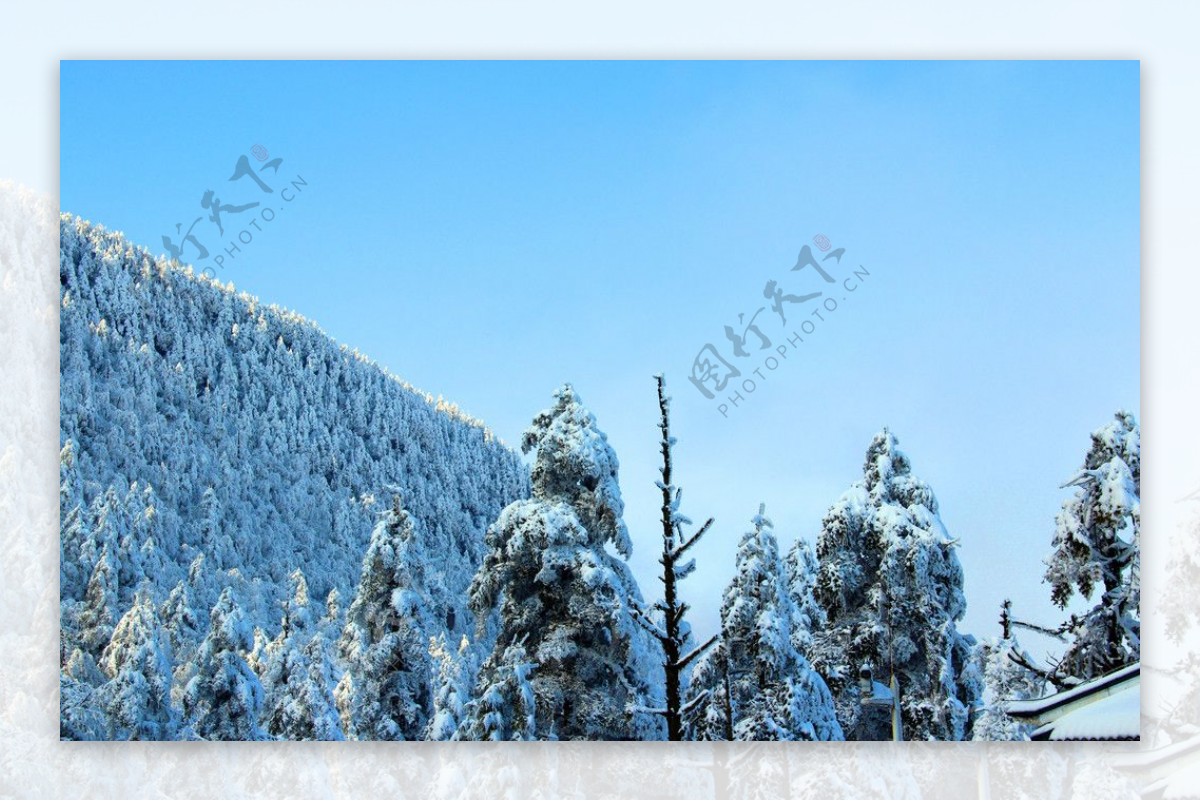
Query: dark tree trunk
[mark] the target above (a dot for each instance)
(670, 634)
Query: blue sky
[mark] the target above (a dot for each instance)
(491, 230)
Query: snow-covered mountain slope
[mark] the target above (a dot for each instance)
(199, 421)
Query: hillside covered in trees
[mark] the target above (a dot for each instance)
(211, 442)
(264, 535)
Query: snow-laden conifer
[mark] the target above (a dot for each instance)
(563, 596)
(891, 586)
(1097, 553)
(385, 692)
(758, 686)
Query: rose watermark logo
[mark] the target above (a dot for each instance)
(219, 213)
(715, 376)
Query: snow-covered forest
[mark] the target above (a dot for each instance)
(264, 535)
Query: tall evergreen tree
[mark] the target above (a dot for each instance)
(297, 675)
(808, 618)
(223, 700)
(562, 595)
(298, 683)
(764, 689)
(81, 715)
(385, 691)
(137, 698)
(668, 625)
(98, 614)
(180, 620)
(321, 720)
(456, 671)
(73, 524)
(1006, 678)
(1096, 546)
(505, 708)
(891, 587)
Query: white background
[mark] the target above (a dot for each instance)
(33, 37)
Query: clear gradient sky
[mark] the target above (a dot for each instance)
(491, 230)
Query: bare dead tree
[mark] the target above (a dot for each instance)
(668, 626)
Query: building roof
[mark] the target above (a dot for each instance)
(1113, 717)
(1042, 711)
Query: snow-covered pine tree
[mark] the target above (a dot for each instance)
(385, 692)
(332, 619)
(667, 622)
(98, 613)
(137, 698)
(808, 618)
(81, 716)
(297, 610)
(297, 675)
(73, 525)
(891, 587)
(223, 699)
(185, 619)
(505, 707)
(1005, 679)
(260, 651)
(181, 621)
(764, 687)
(708, 712)
(316, 696)
(456, 671)
(1096, 545)
(110, 526)
(563, 596)
(298, 684)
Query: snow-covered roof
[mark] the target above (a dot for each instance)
(1044, 710)
(1115, 717)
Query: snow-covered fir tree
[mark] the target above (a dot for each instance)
(224, 698)
(563, 596)
(456, 672)
(297, 675)
(298, 686)
(332, 619)
(757, 686)
(137, 698)
(708, 711)
(1006, 678)
(891, 586)
(319, 714)
(181, 621)
(97, 613)
(1096, 547)
(81, 714)
(260, 651)
(505, 706)
(808, 618)
(385, 692)
(73, 525)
